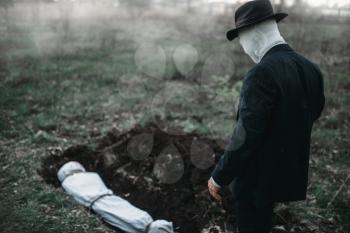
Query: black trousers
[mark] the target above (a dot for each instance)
(252, 219)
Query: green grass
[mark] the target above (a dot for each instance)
(64, 97)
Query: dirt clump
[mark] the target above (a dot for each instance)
(184, 200)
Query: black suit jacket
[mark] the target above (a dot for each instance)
(267, 156)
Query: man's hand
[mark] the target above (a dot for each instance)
(214, 189)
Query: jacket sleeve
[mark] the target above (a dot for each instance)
(322, 99)
(258, 97)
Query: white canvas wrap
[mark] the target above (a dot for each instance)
(86, 187)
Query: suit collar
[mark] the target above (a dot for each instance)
(277, 48)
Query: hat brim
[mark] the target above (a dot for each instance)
(232, 34)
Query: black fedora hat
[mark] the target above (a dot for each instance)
(251, 13)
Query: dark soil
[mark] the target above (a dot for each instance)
(186, 203)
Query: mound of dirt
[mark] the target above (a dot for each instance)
(185, 200)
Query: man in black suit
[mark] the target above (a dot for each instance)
(267, 158)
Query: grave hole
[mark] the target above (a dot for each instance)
(185, 201)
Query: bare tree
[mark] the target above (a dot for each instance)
(189, 5)
(35, 11)
(298, 2)
(65, 8)
(35, 7)
(281, 5)
(5, 4)
(135, 7)
(299, 8)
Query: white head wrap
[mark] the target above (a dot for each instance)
(67, 170)
(257, 40)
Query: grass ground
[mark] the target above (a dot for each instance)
(73, 94)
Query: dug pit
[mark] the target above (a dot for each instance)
(155, 171)
(163, 174)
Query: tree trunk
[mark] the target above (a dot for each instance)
(36, 12)
(298, 3)
(281, 5)
(6, 17)
(189, 4)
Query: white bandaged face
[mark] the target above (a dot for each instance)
(259, 39)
